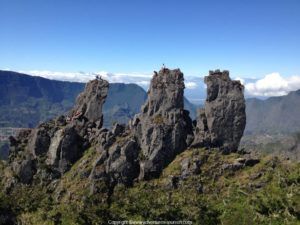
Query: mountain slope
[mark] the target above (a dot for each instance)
(27, 100)
(274, 115)
(122, 103)
(273, 126)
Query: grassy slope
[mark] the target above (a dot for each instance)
(268, 193)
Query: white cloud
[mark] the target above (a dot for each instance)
(191, 85)
(65, 76)
(144, 83)
(273, 85)
(141, 79)
(137, 78)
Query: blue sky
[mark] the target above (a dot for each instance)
(250, 38)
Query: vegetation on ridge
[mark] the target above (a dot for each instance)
(267, 193)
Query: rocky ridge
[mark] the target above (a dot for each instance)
(198, 184)
(139, 150)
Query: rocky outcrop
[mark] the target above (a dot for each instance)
(118, 164)
(222, 121)
(143, 148)
(66, 147)
(163, 128)
(18, 144)
(59, 143)
(39, 141)
(69, 140)
(24, 170)
(153, 138)
(90, 102)
(240, 163)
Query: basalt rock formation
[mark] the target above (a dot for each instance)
(141, 149)
(163, 128)
(59, 143)
(90, 102)
(153, 138)
(222, 121)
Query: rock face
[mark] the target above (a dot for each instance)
(24, 170)
(222, 122)
(117, 164)
(40, 141)
(66, 147)
(90, 102)
(163, 128)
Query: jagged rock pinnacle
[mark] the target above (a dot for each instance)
(163, 126)
(141, 150)
(89, 103)
(222, 121)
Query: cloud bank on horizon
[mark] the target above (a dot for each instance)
(270, 85)
(137, 78)
(273, 85)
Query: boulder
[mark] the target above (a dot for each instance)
(39, 142)
(24, 170)
(70, 148)
(117, 165)
(18, 143)
(122, 164)
(66, 148)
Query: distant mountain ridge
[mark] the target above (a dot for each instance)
(26, 100)
(274, 115)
